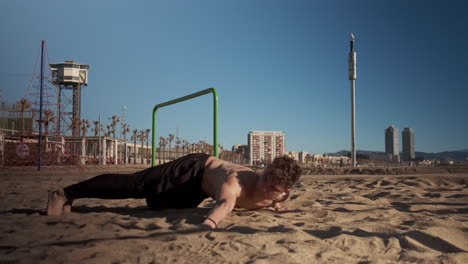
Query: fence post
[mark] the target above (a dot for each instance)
(83, 151)
(116, 153)
(126, 153)
(104, 151)
(2, 148)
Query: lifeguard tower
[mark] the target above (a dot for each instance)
(69, 76)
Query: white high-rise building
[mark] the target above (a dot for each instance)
(391, 143)
(264, 146)
(408, 144)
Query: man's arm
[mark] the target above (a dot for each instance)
(225, 201)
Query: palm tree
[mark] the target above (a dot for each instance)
(193, 147)
(97, 128)
(110, 130)
(220, 149)
(85, 125)
(75, 126)
(209, 148)
(185, 145)
(48, 118)
(147, 131)
(141, 137)
(23, 105)
(115, 121)
(163, 144)
(170, 139)
(125, 130)
(134, 139)
(177, 145)
(202, 146)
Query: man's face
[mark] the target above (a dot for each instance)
(274, 191)
(278, 192)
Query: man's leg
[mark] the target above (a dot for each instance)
(105, 186)
(177, 198)
(146, 183)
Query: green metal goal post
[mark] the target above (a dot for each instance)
(181, 99)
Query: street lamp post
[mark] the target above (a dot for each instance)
(352, 78)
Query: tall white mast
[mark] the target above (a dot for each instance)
(352, 78)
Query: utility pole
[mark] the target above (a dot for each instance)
(39, 161)
(352, 78)
(99, 142)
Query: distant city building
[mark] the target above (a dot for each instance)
(294, 155)
(300, 157)
(380, 156)
(408, 144)
(264, 146)
(238, 148)
(243, 150)
(391, 143)
(323, 160)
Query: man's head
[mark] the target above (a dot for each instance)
(283, 171)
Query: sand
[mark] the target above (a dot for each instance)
(332, 219)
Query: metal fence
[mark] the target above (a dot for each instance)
(82, 151)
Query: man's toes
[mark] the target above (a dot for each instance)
(54, 204)
(67, 208)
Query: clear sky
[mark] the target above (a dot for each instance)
(277, 65)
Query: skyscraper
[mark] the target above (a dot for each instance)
(264, 146)
(408, 144)
(391, 143)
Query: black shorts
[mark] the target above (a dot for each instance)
(176, 184)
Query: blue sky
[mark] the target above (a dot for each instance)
(277, 65)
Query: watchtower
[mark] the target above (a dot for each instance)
(69, 76)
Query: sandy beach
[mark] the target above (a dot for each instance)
(331, 219)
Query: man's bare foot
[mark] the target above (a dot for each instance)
(67, 206)
(56, 202)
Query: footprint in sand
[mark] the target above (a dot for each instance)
(408, 222)
(458, 196)
(198, 252)
(307, 203)
(432, 195)
(374, 196)
(294, 197)
(246, 213)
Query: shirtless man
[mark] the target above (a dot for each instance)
(186, 182)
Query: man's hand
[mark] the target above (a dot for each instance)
(209, 223)
(278, 207)
(277, 202)
(204, 226)
(284, 196)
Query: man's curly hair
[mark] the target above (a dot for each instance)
(284, 171)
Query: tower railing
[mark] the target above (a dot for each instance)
(181, 99)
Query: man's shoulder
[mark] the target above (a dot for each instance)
(216, 163)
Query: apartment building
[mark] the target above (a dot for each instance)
(264, 146)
